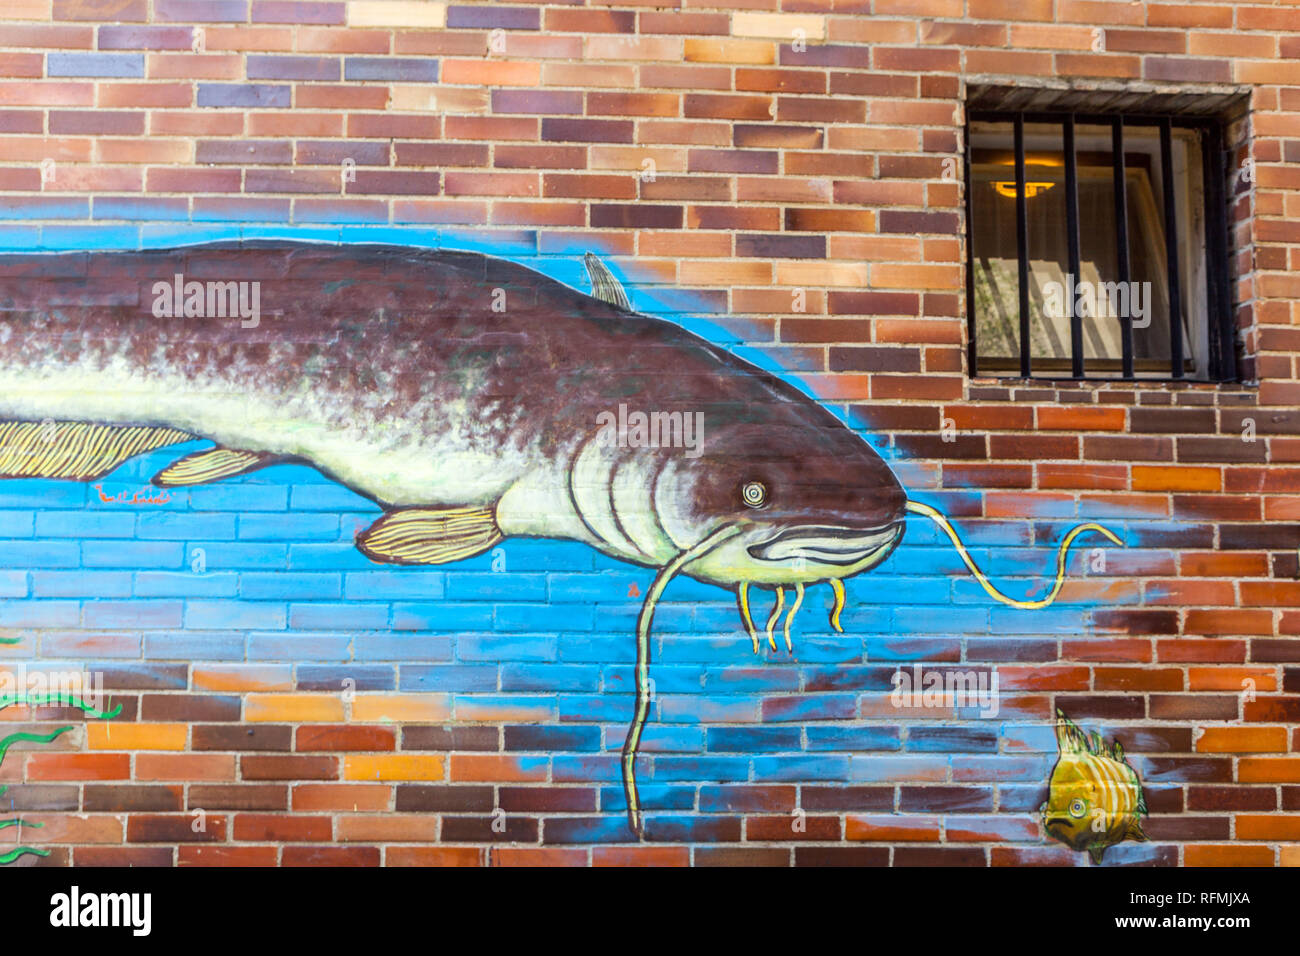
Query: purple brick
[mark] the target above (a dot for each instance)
(141, 207)
(405, 182)
(334, 152)
(341, 210)
(262, 67)
(292, 181)
(239, 209)
(201, 11)
(243, 94)
(244, 152)
(122, 37)
(537, 101)
(407, 69)
(297, 11)
(587, 130)
(493, 16)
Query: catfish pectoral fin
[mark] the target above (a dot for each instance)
(82, 451)
(213, 465)
(430, 535)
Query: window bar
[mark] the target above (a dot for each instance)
(1121, 238)
(1171, 250)
(972, 347)
(1072, 244)
(1022, 244)
(1217, 267)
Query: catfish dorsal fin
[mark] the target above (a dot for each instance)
(430, 535)
(603, 284)
(212, 465)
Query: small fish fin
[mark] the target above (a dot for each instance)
(1117, 751)
(1095, 851)
(1069, 738)
(212, 465)
(1135, 832)
(81, 451)
(603, 284)
(430, 535)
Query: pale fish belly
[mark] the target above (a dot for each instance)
(450, 467)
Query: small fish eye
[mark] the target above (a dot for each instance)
(754, 494)
(1077, 808)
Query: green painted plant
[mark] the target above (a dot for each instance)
(39, 700)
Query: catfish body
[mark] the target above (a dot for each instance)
(444, 381)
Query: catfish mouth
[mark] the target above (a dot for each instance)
(838, 546)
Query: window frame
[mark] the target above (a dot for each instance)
(1221, 363)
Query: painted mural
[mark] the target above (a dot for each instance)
(473, 400)
(1095, 799)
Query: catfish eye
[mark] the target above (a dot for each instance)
(754, 494)
(1077, 808)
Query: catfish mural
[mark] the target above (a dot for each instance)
(468, 396)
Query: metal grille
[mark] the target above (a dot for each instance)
(1220, 360)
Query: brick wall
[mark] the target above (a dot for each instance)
(719, 158)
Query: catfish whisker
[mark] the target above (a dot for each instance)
(789, 618)
(742, 599)
(644, 621)
(938, 518)
(776, 614)
(838, 587)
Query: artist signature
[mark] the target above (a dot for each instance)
(145, 496)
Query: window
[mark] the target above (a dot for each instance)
(1097, 246)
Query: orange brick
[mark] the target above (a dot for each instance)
(1187, 478)
(184, 767)
(891, 829)
(393, 767)
(243, 677)
(401, 708)
(73, 828)
(641, 856)
(1065, 418)
(388, 828)
(310, 708)
(345, 797)
(491, 73)
(47, 766)
(1242, 740)
(435, 856)
(713, 50)
(1268, 770)
(497, 767)
(1220, 855)
(110, 735)
(538, 856)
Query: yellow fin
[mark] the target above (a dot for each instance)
(430, 535)
(81, 451)
(212, 465)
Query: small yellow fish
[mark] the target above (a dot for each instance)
(1094, 799)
